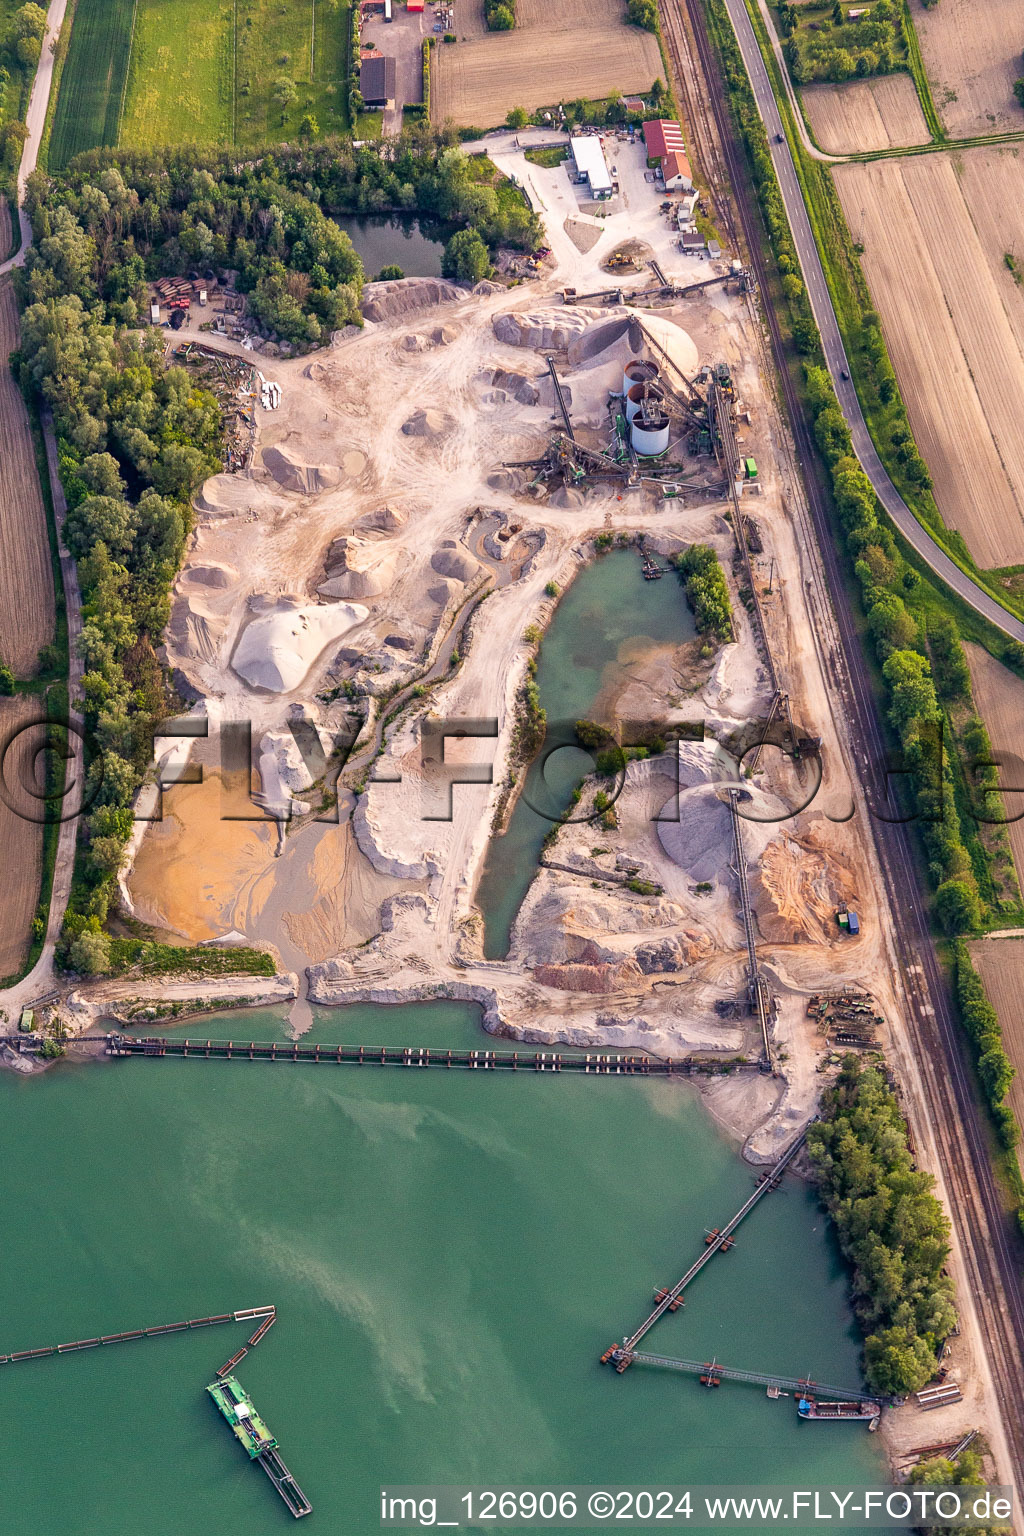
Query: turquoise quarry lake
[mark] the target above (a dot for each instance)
(449, 1255)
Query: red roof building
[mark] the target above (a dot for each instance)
(414, 5)
(675, 168)
(662, 138)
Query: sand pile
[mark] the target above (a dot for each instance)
(389, 301)
(228, 495)
(386, 519)
(284, 638)
(293, 474)
(679, 345)
(455, 563)
(550, 330)
(598, 338)
(420, 341)
(355, 568)
(442, 592)
(701, 841)
(583, 235)
(215, 575)
(426, 422)
(509, 383)
(194, 631)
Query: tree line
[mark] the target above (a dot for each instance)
(891, 1228)
(706, 589)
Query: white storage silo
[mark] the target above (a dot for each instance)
(638, 372)
(650, 431)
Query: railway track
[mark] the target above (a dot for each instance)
(987, 1238)
(686, 64)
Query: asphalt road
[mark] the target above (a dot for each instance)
(835, 354)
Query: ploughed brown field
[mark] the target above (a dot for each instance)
(21, 840)
(935, 230)
(999, 696)
(26, 578)
(1000, 963)
(865, 115)
(555, 53)
(972, 56)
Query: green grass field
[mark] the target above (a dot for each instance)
(93, 79)
(148, 72)
(180, 80)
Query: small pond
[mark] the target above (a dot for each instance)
(415, 246)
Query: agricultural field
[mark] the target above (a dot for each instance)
(865, 115)
(1000, 964)
(181, 75)
(21, 840)
(26, 576)
(477, 82)
(999, 698)
(972, 56)
(935, 231)
(92, 84)
(169, 71)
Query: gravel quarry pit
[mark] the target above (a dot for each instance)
(334, 572)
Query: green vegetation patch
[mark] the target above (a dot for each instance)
(93, 79)
(891, 1228)
(147, 958)
(824, 44)
(706, 590)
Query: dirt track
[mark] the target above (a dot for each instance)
(26, 580)
(972, 57)
(578, 49)
(954, 322)
(21, 840)
(865, 114)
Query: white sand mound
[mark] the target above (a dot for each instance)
(455, 563)
(284, 638)
(294, 475)
(389, 301)
(225, 495)
(213, 575)
(679, 345)
(553, 330)
(357, 569)
(387, 519)
(426, 422)
(701, 841)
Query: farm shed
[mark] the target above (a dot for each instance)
(663, 137)
(377, 81)
(588, 158)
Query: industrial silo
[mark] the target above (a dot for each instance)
(649, 432)
(638, 373)
(638, 394)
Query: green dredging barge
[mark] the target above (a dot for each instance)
(257, 1441)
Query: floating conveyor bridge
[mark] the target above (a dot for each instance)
(709, 1369)
(591, 1064)
(718, 1242)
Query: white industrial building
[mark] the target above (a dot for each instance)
(591, 167)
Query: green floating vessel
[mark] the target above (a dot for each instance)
(259, 1444)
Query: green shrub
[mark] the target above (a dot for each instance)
(706, 589)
